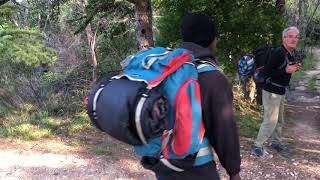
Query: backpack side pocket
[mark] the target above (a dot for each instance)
(188, 130)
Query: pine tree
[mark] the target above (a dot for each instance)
(21, 45)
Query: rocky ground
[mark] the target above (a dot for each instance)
(93, 156)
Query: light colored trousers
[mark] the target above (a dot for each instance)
(273, 107)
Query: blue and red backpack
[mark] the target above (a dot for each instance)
(154, 104)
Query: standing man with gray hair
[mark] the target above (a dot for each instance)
(273, 93)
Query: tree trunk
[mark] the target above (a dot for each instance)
(143, 16)
(307, 24)
(300, 13)
(91, 44)
(281, 5)
(26, 18)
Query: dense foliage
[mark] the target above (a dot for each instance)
(58, 34)
(19, 44)
(305, 15)
(114, 26)
(21, 50)
(242, 25)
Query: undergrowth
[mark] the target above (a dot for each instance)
(32, 124)
(248, 115)
(53, 107)
(59, 111)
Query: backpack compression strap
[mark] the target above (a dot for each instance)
(138, 112)
(204, 151)
(286, 60)
(94, 105)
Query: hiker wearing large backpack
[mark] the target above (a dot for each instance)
(199, 36)
(172, 106)
(273, 93)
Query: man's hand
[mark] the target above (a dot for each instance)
(292, 68)
(235, 177)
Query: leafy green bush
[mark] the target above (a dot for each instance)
(242, 25)
(19, 45)
(21, 50)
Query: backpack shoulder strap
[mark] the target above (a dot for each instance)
(286, 61)
(204, 66)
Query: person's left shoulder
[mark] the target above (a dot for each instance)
(280, 50)
(214, 79)
(279, 53)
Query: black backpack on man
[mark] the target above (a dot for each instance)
(254, 64)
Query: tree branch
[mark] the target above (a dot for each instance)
(15, 2)
(313, 13)
(76, 19)
(2, 2)
(91, 14)
(132, 1)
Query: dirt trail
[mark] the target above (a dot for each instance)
(57, 159)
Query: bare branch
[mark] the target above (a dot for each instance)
(132, 1)
(15, 2)
(76, 19)
(2, 2)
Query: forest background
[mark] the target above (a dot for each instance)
(52, 51)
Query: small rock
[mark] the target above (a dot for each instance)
(296, 164)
